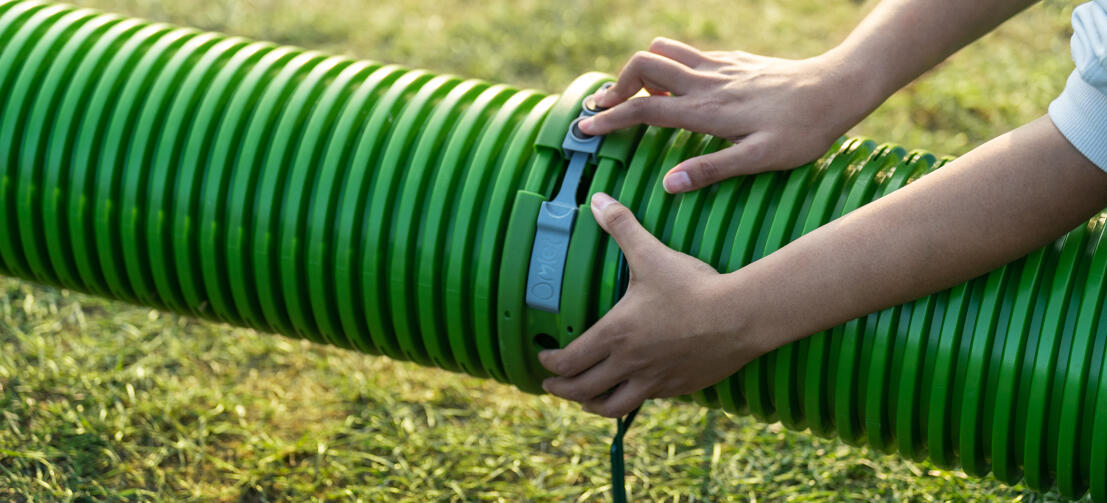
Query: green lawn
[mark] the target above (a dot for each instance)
(102, 400)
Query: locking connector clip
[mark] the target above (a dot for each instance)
(557, 217)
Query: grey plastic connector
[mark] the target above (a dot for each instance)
(547, 258)
(556, 219)
(588, 107)
(579, 142)
(577, 133)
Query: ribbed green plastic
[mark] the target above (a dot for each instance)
(392, 211)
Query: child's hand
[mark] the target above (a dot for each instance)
(780, 113)
(668, 336)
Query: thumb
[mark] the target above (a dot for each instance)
(748, 156)
(619, 221)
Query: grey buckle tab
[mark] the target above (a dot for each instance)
(557, 217)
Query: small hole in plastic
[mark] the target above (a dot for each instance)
(507, 315)
(569, 329)
(546, 341)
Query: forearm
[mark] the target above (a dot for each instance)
(901, 39)
(989, 207)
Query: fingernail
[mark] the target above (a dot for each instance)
(545, 387)
(586, 125)
(677, 182)
(601, 201)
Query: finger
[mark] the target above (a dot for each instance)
(589, 384)
(677, 51)
(619, 403)
(646, 69)
(594, 100)
(581, 354)
(657, 110)
(751, 155)
(620, 222)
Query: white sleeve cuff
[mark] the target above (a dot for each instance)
(1080, 113)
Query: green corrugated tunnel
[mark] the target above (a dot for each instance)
(393, 211)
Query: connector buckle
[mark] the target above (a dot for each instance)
(557, 217)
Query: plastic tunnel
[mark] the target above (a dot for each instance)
(393, 211)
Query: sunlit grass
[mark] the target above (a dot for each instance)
(101, 400)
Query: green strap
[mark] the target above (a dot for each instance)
(618, 471)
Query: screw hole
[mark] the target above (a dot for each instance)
(569, 329)
(546, 341)
(507, 315)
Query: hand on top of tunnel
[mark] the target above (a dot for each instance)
(671, 334)
(779, 113)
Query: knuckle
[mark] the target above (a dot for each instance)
(621, 339)
(757, 153)
(707, 170)
(555, 387)
(637, 107)
(574, 394)
(659, 43)
(606, 410)
(703, 107)
(635, 64)
(604, 119)
(718, 57)
(559, 366)
(722, 94)
(618, 216)
(593, 392)
(636, 360)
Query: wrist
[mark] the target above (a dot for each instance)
(746, 314)
(856, 82)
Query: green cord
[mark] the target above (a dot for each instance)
(618, 471)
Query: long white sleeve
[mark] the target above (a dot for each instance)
(1080, 112)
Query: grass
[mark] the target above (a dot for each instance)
(105, 401)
